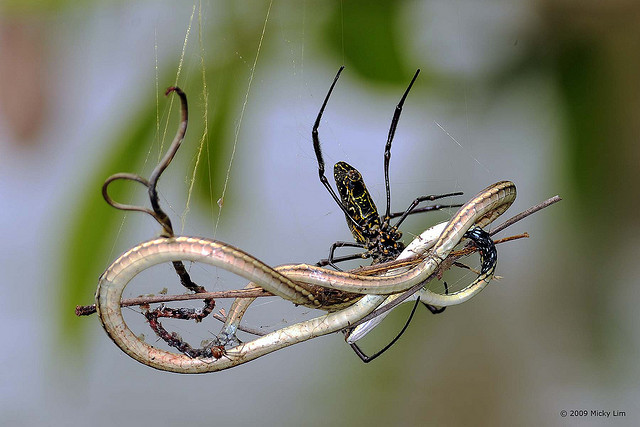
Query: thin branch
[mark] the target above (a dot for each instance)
(86, 310)
(470, 248)
(522, 215)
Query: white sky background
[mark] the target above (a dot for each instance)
(288, 217)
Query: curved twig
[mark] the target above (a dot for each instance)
(123, 206)
(156, 212)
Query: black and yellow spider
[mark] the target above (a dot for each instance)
(371, 231)
(374, 232)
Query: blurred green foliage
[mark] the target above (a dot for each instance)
(368, 37)
(583, 81)
(93, 221)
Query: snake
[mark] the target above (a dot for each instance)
(298, 283)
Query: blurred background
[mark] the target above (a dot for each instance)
(543, 93)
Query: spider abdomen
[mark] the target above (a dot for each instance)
(358, 201)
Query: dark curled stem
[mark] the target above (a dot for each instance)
(174, 340)
(185, 279)
(186, 313)
(156, 212)
(167, 230)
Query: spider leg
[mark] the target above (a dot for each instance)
(340, 244)
(387, 147)
(425, 209)
(367, 359)
(361, 255)
(318, 151)
(432, 309)
(410, 210)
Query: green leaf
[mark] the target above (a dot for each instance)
(366, 34)
(93, 222)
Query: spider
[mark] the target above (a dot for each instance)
(371, 231)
